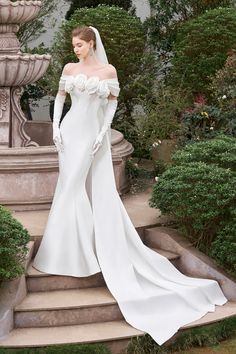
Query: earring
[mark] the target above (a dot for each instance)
(91, 51)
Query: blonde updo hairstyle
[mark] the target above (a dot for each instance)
(85, 33)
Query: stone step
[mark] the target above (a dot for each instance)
(170, 255)
(67, 307)
(115, 334)
(38, 281)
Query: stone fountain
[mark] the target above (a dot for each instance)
(28, 171)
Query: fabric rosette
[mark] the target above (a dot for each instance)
(92, 84)
(80, 81)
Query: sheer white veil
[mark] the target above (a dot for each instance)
(100, 50)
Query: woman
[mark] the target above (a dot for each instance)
(88, 228)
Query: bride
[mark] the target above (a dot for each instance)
(88, 229)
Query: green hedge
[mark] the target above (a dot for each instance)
(13, 245)
(199, 189)
(201, 48)
(220, 151)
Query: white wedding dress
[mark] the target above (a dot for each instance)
(89, 230)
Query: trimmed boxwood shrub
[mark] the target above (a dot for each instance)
(199, 189)
(223, 248)
(13, 245)
(220, 151)
(199, 196)
(201, 48)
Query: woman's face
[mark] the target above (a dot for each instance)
(81, 47)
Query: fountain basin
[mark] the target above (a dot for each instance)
(20, 70)
(19, 11)
(28, 175)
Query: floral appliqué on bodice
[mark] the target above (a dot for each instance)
(92, 85)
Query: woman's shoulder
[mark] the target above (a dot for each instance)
(111, 71)
(68, 68)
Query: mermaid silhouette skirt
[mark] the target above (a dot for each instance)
(89, 231)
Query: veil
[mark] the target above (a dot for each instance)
(100, 50)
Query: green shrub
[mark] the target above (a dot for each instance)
(201, 48)
(223, 83)
(199, 196)
(13, 245)
(159, 116)
(220, 151)
(75, 4)
(206, 122)
(223, 248)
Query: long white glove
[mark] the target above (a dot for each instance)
(58, 107)
(108, 118)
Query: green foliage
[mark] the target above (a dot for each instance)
(223, 248)
(203, 336)
(199, 196)
(223, 84)
(201, 48)
(207, 121)
(199, 191)
(168, 15)
(61, 349)
(220, 151)
(13, 245)
(158, 117)
(75, 4)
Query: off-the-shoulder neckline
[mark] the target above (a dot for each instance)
(89, 77)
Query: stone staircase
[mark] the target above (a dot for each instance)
(62, 309)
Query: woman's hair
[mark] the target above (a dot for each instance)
(85, 33)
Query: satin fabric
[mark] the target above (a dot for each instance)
(89, 230)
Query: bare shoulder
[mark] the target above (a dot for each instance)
(68, 68)
(111, 72)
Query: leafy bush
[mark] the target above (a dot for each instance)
(199, 191)
(223, 248)
(13, 245)
(75, 4)
(220, 151)
(201, 48)
(199, 196)
(167, 16)
(158, 118)
(205, 121)
(223, 84)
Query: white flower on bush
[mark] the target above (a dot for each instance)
(211, 128)
(156, 179)
(224, 97)
(156, 143)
